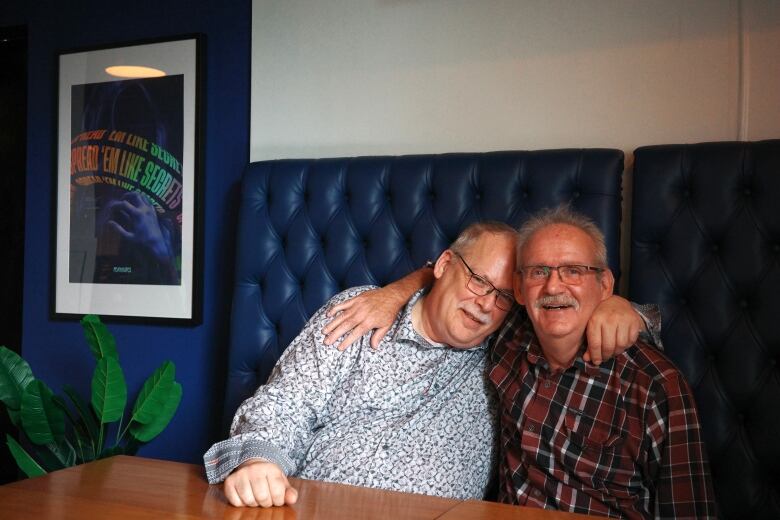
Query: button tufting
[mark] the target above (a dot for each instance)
(575, 194)
(773, 362)
(743, 304)
(776, 248)
(747, 191)
(686, 193)
(715, 248)
(683, 301)
(478, 195)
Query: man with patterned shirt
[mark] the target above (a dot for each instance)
(558, 470)
(417, 415)
(619, 439)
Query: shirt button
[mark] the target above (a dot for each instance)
(547, 384)
(531, 428)
(537, 493)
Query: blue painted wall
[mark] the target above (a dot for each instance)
(56, 350)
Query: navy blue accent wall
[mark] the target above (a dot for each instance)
(56, 349)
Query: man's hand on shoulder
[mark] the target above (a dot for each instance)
(613, 327)
(376, 309)
(259, 483)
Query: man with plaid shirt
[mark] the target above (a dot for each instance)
(619, 439)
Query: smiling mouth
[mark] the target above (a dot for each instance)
(471, 316)
(552, 303)
(557, 307)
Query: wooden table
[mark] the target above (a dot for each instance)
(136, 488)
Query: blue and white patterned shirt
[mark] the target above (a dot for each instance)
(410, 416)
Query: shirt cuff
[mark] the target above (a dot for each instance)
(651, 315)
(225, 456)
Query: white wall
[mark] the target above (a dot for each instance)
(347, 77)
(358, 77)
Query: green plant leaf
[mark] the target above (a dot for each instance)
(15, 416)
(58, 456)
(15, 375)
(132, 445)
(153, 395)
(100, 340)
(109, 390)
(23, 459)
(147, 432)
(85, 413)
(42, 420)
(110, 452)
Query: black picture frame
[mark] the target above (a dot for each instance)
(128, 199)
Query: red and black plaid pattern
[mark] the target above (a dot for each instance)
(622, 439)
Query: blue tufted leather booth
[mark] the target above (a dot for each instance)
(706, 247)
(310, 228)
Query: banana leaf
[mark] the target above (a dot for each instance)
(151, 400)
(110, 452)
(15, 416)
(100, 340)
(109, 390)
(85, 413)
(42, 420)
(132, 445)
(15, 375)
(23, 459)
(62, 454)
(147, 432)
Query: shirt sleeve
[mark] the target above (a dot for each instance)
(651, 315)
(677, 456)
(277, 422)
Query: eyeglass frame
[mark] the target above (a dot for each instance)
(499, 292)
(548, 269)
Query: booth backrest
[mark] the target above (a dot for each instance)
(706, 247)
(311, 228)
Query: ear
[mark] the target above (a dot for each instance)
(517, 285)
(442, 263)
(607, 284)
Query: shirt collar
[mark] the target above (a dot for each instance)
(535, 356)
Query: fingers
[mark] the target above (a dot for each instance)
(290, 495)
(593, 333)
(261, 484)
(239, 492)
(115, 226)
(354, 335)
(339, 308)
(378, 336)
(339, 326)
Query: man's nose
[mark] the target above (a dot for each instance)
(553, 284)
(487, 302)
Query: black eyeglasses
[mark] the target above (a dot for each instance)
(481, 287)
(569, 274)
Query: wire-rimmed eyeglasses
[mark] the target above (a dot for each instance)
(571, 274)
(482, 287)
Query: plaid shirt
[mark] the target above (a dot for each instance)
(622, 439)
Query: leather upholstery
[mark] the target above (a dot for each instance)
(311, 228)
(706, 247)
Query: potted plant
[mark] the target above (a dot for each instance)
(66, 433)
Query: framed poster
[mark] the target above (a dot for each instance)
(127, 182)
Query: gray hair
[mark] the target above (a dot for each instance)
(473, 232)
(562, 214)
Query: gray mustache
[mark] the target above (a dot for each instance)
(474, 310)
(556, 300)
